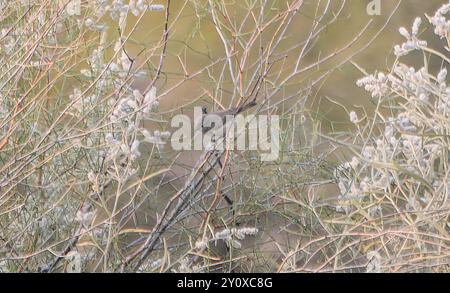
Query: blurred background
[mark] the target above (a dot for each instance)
(194, 43)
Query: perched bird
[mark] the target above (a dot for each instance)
(233, 111)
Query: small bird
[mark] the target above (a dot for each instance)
(233, 111)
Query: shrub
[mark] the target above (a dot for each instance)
(395, 190)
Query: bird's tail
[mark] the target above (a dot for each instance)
(246, 106)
